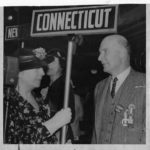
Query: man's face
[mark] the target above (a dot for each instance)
(54, 67)
(110, 55)
(32, 77)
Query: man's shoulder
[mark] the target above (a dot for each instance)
(139, 76)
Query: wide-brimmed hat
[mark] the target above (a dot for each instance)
(31, 58)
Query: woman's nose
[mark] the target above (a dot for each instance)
(41, 71)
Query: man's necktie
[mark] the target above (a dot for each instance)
(113, 87)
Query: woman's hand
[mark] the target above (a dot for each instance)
(63, 117)
(60, 119)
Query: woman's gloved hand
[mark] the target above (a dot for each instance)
(63, 117)
(60, 119)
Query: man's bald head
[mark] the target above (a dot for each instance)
(119, 39)
(114, 54)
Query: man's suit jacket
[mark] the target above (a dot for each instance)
(134, 91)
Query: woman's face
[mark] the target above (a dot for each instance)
(32, 77)
(54, 67)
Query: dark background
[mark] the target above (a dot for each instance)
(131, 24)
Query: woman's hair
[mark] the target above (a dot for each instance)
(55, 52)
(62, 63)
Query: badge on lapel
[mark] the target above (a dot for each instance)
(119, 108)
(128, 120)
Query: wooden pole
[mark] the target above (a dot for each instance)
(67, 85)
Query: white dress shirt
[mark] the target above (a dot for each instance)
(121, 77)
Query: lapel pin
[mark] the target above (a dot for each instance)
(125, 119)
(128, 116)
(119, 108)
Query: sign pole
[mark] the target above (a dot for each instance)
(67, 85)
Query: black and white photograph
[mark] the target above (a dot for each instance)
(74, 75)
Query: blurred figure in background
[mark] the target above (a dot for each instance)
(78, 116)
(29, 119)
(54, 93)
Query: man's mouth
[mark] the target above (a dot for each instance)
(104, 64)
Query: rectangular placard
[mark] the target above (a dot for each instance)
(77, 20)
(12, 32)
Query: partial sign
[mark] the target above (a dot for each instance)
(78, 20)
(12, 32)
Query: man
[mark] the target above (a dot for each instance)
(120, 98)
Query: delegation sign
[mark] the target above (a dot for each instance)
(77, 20)
(12, 32)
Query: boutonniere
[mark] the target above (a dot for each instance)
(128, 119)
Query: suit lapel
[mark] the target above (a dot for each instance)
(100, 106)
(127, 90)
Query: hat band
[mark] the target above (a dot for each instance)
(30, 65)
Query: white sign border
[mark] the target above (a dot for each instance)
(6, 39)
(83, 32)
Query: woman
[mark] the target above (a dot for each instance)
(54, 94)
(29, 119)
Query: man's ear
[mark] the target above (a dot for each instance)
(123, 52)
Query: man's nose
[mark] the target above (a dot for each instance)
(100, 57)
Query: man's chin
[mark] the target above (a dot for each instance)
(106, 70)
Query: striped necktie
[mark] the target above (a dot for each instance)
(113, 87)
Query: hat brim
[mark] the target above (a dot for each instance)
(32, 64)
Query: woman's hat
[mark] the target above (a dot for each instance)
(55, 52)
(31, 58)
